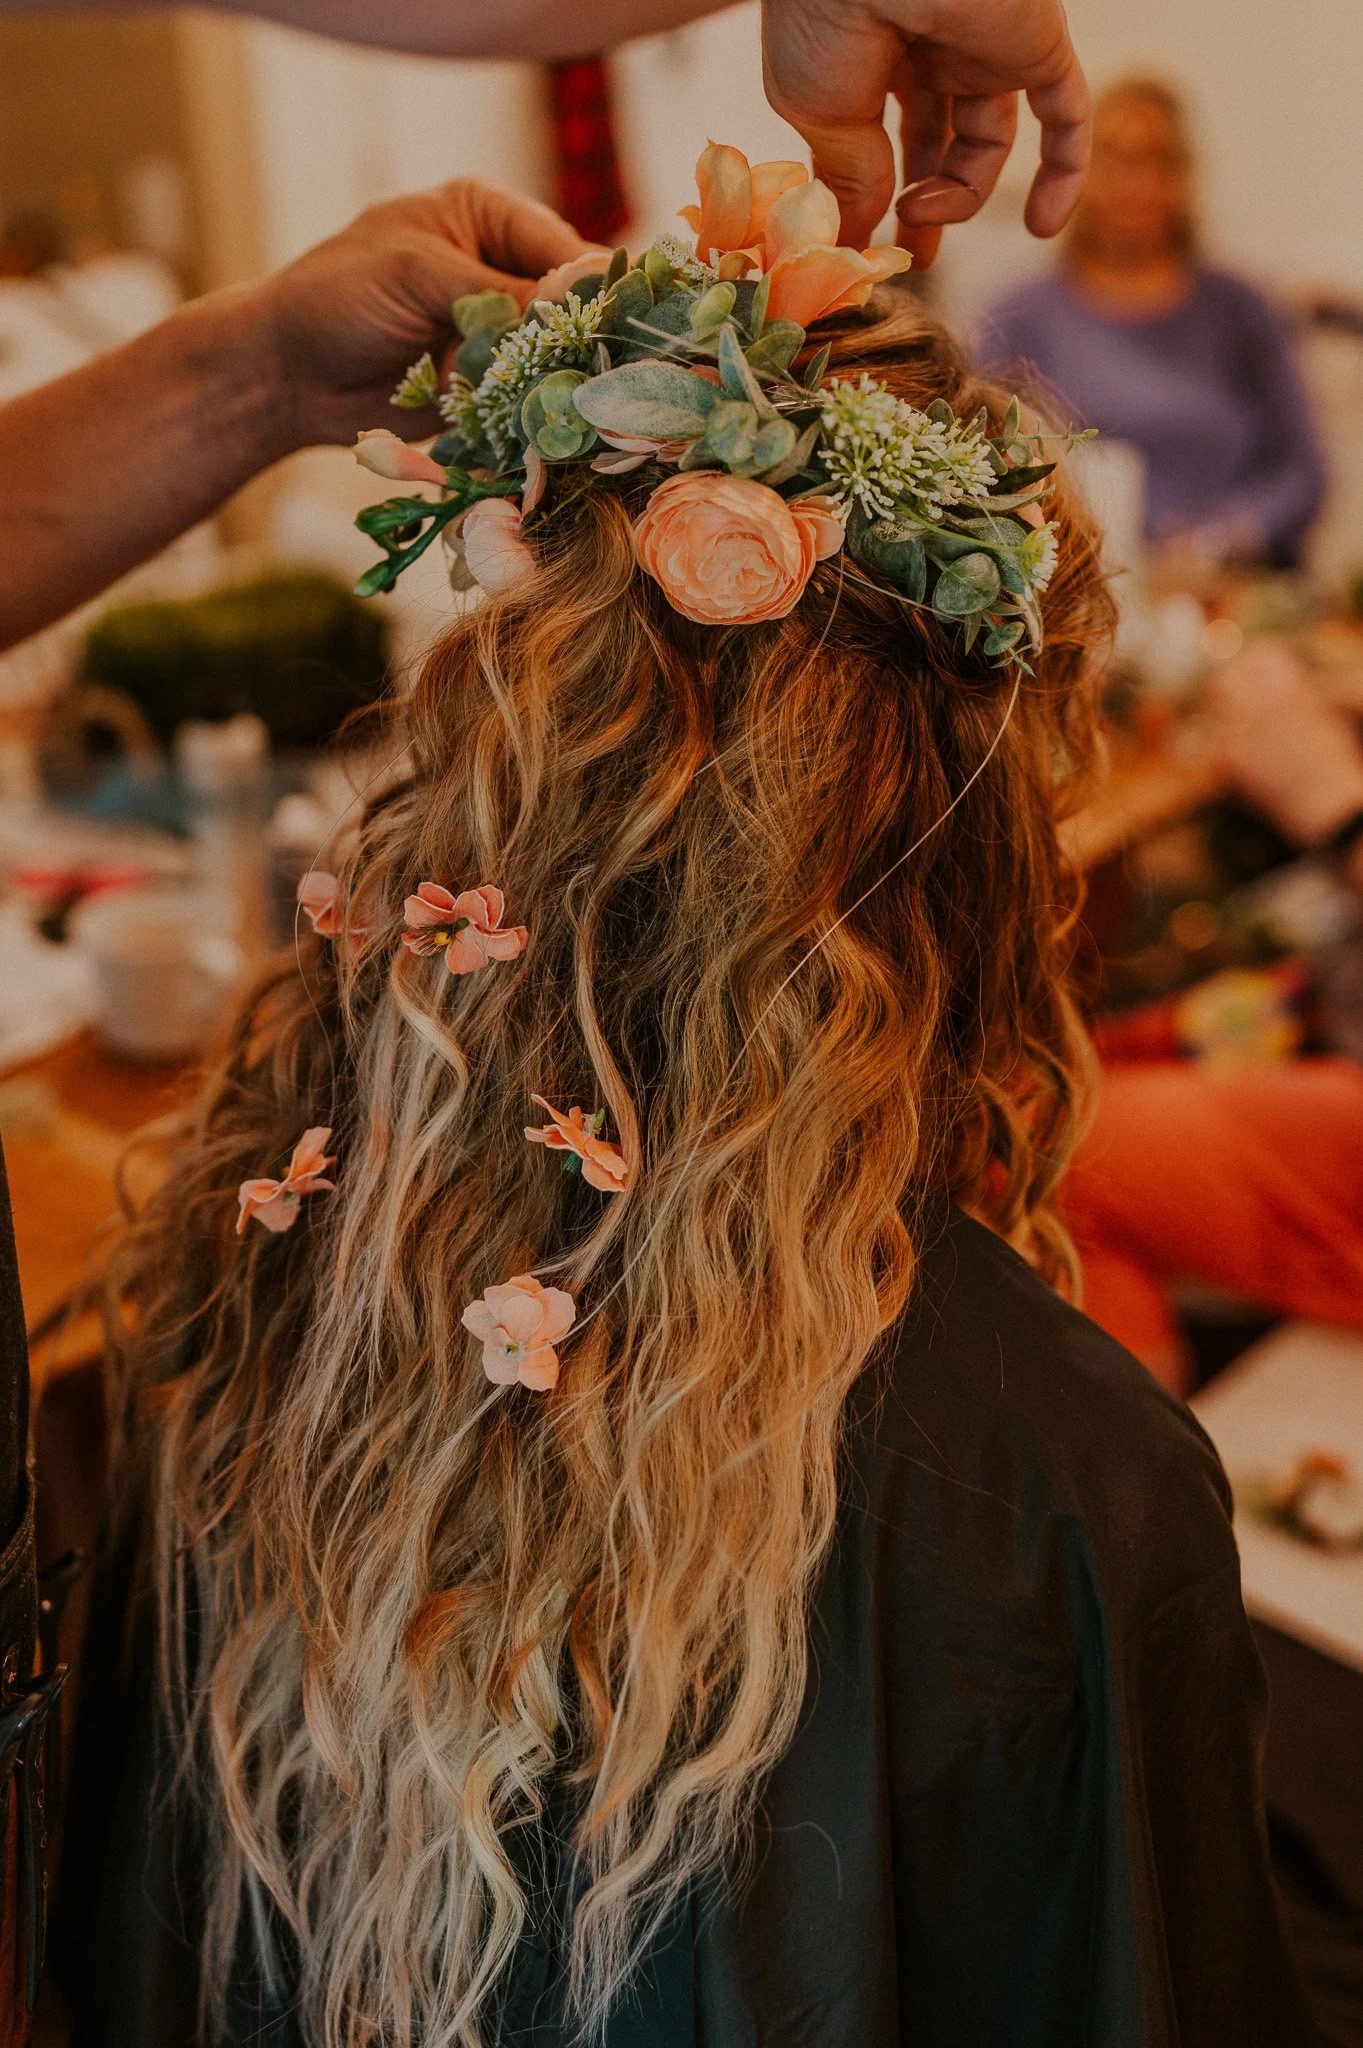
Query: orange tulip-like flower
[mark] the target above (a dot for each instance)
(518, 1326)
(603, 1164)
(729, 551)
(788, 223)
(275, 1203)
(467, 928)
(735, 200)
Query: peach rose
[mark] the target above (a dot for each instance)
(518, 1326)
(497, 556)
(729, 551)
(467, 928)
(735, 200)
(602, 1164)
(275, 1203)
(388, 455)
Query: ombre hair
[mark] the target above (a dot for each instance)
(394, 1602)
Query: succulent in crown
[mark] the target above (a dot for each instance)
(696, 358)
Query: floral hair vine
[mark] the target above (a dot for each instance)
(683, 364)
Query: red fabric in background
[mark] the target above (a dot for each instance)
(590, 192)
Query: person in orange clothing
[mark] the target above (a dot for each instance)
(1253, 1180)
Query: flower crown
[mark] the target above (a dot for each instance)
(684, 364)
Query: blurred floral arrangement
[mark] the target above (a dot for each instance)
(690, 369)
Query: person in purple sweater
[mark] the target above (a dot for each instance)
(1146, 343)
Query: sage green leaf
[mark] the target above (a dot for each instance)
(999, 533)
(617, 267)
(698, 456)
(485, 313)
(735, 376)
(586, 288)
(944, 546)
(972, 631)
(1011, 422)
(814, 372)
(757, 312)
(453, 450)
(780, 343)
(711, 310)
(775, 443)
(730, 433)
(1024, 479)
(659, 272)
(968, 586)
(659, 401)
(940, 412)
(629, 298)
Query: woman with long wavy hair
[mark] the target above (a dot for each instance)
(840, 1643)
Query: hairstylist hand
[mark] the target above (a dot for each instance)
(344, 321)
(101, 468)
(956, 68)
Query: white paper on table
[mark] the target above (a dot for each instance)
(1300, 1389)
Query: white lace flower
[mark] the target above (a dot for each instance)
(881, 452)
(552, 338)
(1038, 556)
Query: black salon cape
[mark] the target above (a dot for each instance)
(1023, 1809)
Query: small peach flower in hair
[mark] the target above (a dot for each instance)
(320, 896)
(518, 1326)
(585, 1151)
(275, 1203)
(729, 551)
(498, 558)
(387, 454)
(467, 928)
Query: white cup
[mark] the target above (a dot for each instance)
(165, 971)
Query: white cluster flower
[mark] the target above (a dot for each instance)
(552, 338)
(1038, 556)
(691, 271)
(882, 452)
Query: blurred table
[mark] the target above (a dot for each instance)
(1143, 793)
(66, 1119)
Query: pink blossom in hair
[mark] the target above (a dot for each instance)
(467, 928)
(275, 1203)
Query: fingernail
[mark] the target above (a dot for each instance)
(936, 202)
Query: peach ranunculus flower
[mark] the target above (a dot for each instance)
(387, 454)
(467, 928)
(275, 1203)
(729, 551)
(790, 230)
(602, 1164)
(518, 1326)
(498, 558)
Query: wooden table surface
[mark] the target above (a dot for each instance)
(66, 1119)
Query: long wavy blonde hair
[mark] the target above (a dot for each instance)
(395, 1602)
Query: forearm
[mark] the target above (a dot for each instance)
(544, 30)
(101, 468)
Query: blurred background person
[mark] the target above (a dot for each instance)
(1248, 1181)
(1151, 345)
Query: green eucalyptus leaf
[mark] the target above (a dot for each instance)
(792, 464)
(731, 431)
(589, 287)
(452, 450)
(1026, 478)
(774, 444)
(711, 310)
(944, 546)
(485, 313)
(972, 631)
(756, 316)
(999, 533)
(940, 413)
(735, 377)
(1003, 639)
(1012, 420)
(817, 366)
(660, 401)
(969, 586)
(551, 420)
(474, 356)
(773, 354)
(699, 456)
(617, 267)
(898, 558)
